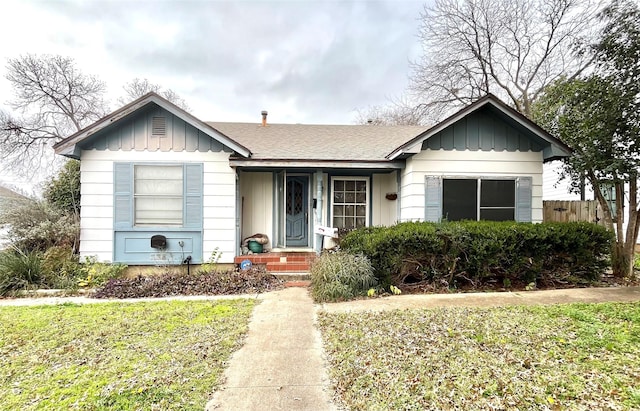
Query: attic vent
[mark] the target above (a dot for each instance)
(159, 126)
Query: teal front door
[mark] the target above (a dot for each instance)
(297, 211)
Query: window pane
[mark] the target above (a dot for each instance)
(349, 223)
(158, 172)
(497, 214)
(361, 185)
(361, 211)
(158, 211)
(338, 222)
(361, 222)
(361, 198)
(349, 197)
(338, 185)
(158, 195)
(338, 197)
(497, 193)
(460, 199)
(349, 211)
(350, 185)
(152, 187)
(338, 211)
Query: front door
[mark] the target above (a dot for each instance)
(297, 211)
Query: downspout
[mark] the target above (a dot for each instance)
(318, 211)
(399, 200)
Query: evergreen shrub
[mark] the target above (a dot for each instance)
(452, 254)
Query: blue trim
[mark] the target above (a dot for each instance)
(135, 247)
(131, 244)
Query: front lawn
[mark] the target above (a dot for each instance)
(574, 356)
(117, 356)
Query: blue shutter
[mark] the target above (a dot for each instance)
(193, 195)
(433, 199)
(523, 199)
(123, 195)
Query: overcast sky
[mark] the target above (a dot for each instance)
(303, 61)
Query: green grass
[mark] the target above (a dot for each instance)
(117, 356)
(574, 357)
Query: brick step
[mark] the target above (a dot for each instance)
(280, 262)
(287, 267)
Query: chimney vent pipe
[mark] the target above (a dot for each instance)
(264, 117)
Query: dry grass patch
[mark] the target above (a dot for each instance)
(117, 356)
(577, 356)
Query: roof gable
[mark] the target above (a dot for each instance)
(129, 117)
(487, 124)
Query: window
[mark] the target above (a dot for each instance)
(350, 206)
(466, 199)
(497, 200)
(147, 195)
(158, 195)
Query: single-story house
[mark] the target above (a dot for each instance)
(160, 185)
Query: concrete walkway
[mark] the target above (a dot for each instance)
(281, 365)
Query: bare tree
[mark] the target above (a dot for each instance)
(399, 112)
(513, 49)
(139, 87)
(52, 99)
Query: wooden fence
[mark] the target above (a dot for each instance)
(565, 211)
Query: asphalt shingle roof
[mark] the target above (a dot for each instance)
(318, 142)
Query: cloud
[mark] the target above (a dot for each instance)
(317, 61)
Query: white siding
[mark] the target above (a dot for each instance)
(256, 191)
(219, 200)
(555, 189)
(466, 163)
(385, 212)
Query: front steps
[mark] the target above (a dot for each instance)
(290, 266)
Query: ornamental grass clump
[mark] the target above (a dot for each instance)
(19, 270)
(341, 276)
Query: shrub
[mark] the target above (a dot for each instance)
(35, 225)
(254, 280)
(19, 270)
(61, 268)
(474, 253)
(63, 190)
(341, 276)
(96, 273)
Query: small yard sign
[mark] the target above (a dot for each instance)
(327, 231)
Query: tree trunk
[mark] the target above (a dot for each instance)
(623, 249)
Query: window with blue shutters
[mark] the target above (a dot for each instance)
(157, 195)
(469, 198)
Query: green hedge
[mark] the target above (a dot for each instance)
(454, 253)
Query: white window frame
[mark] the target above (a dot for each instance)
(367, 204)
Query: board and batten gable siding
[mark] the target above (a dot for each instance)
(483, 130)
(97, 199)
(136, 134)
(477, 164)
